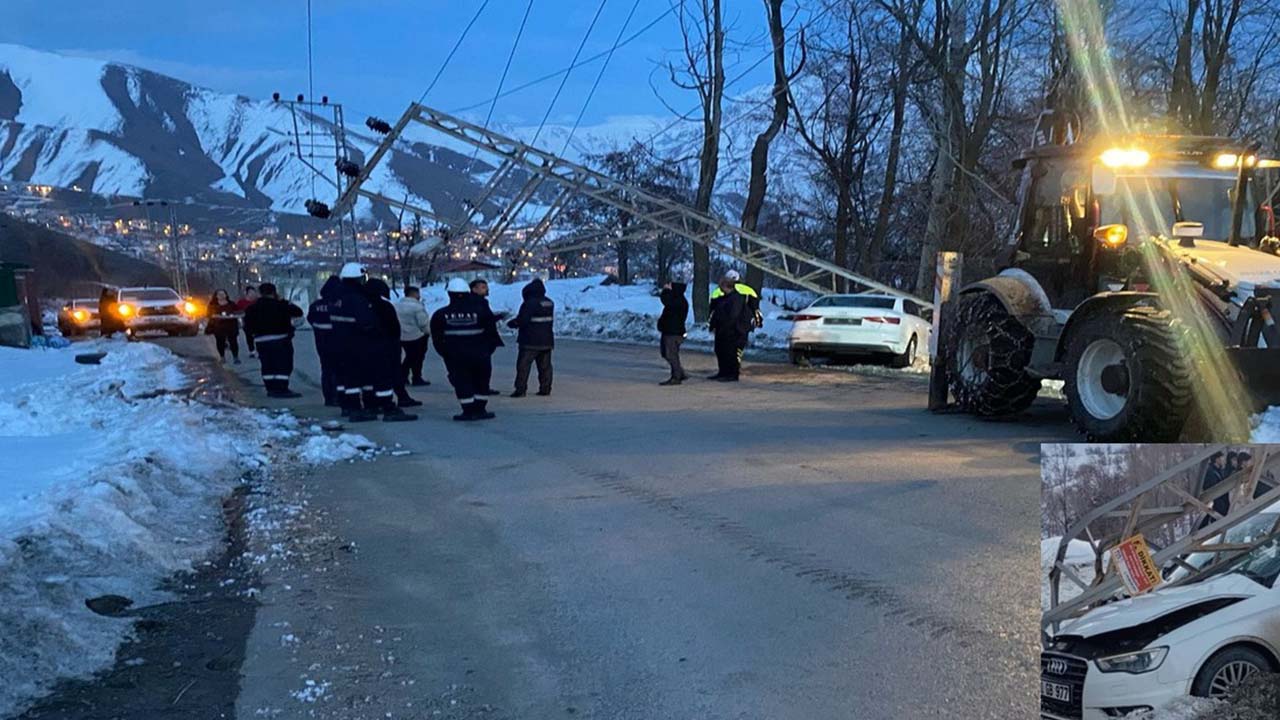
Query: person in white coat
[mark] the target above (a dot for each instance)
(415, 335)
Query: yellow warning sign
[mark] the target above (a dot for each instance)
(1132, 559)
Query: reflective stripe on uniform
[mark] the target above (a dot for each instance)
(477, 331)
(322, 326)
(542, 319)
(269, 338)
(342, 318)
(466, 401)
(275, 377)
(384, 393)
(352, 391)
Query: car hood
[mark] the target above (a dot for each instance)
(1247, 269)
(1145, 608)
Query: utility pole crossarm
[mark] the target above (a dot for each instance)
(778, 259)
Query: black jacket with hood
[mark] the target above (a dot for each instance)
(675, 310)
(318, 313)
(460, 329)
(388, 335)
(536, 318)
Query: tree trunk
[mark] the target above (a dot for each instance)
(949, 138)
(901, 83)
(759, 181)
(709, 159)
(624, 263)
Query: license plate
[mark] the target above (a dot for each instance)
(151, 319)
(1055, 691)
(842, 321)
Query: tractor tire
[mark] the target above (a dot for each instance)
(989, 354)
(1126, 378)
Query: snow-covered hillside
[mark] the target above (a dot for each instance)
(115, 129)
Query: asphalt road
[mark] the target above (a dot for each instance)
(804, 544)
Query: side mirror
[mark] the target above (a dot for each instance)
(1112, 236)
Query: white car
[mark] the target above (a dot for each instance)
(1199, 639)
(156, 309)
(862, 324)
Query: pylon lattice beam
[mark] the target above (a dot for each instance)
(777, 259)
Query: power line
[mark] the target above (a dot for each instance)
(456, 45)
(599, 77)
(503, 79)
(311, 93)
(558, 73)
(565, 79)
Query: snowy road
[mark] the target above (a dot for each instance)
(801, 545)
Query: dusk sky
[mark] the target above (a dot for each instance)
(377, 55)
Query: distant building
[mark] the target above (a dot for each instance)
(468, 270)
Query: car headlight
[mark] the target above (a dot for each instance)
(79, 315)
(1134, 663)
(124, 310)
(190, 308)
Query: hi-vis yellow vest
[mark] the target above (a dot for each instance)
(742, 289)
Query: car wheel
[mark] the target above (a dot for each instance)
(800, 357)
(990, 351)
(1226, 670)
(1127, 377)
(907, 357)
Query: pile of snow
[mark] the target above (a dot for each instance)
(1079, 559)
(1266, 426)
(113, 481)
(1186, 708)
(323, 449)
(587, 309)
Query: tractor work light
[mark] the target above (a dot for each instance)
(1112, 236)
(1125, 157)
(1225, 160)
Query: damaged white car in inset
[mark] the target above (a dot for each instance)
(1201, 638)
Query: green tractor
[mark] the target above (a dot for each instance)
(1142, 273)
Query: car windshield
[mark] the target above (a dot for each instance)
(150, 295)
(1246, 532)
(1261, 564)
(856, 301)
(1206, 200)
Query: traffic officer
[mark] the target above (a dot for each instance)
(734, 314)
(536, 338)
(460, 333)
(355, 329)
(322, 328)
(388, 383)
(270, 319)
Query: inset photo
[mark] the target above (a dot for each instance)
(1158, 572)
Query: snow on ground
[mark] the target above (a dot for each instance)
(1079, 559)
(113, 481)
(1187, 708)
(1266, 426)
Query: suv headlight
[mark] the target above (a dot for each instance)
(1135, 663)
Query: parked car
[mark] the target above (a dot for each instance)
(860, 325)
(1201, 639)
(78, 317)
(144, 310)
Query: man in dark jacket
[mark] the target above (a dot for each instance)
(671, 326)
(459, 333)
(733, 317)
(536, 338)
(109, 321)
(355, 330)
(322, 328)
(480, 287)
(388, 381)
(270, 320)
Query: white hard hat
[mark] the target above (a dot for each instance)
(458, 285)
(732, 276)
(352, 270)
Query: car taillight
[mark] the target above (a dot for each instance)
(802, 318)
(889, 319)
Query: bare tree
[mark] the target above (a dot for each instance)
(758, 184)
(702, 27)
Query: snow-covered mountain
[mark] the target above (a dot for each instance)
(115, 129)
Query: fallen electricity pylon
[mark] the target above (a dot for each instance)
(1204, 529)
(539, 167)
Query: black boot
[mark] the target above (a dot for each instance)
(407, 401)
(518, 394)
(481, 412)
(468, 412)
(395, 414)
(672, 381)
(362, 415)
